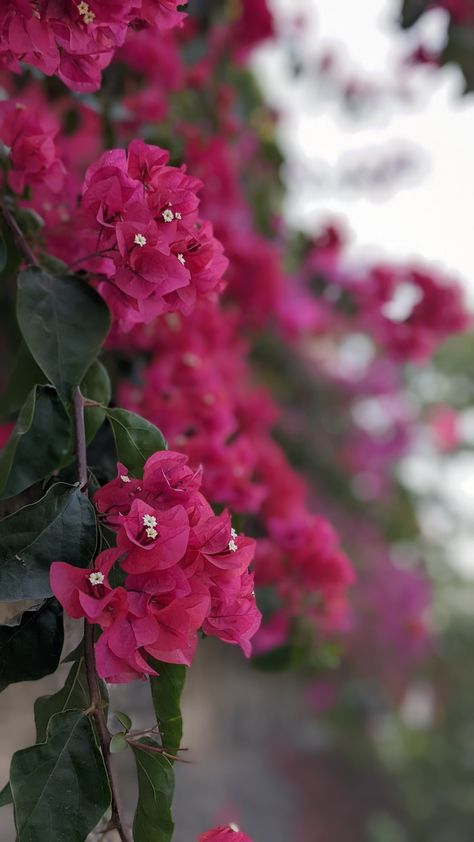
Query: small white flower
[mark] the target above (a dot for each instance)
(149, 520)
(125, 478)
(233, 546)
(177, 215)
(234, 827)
(151, 532)
(233, 533)
(181, 259)
(140, 240)
(168, 215)
(96, 578)
(86, 14)
(190, 359)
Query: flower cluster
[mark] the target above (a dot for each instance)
(185, 569)
(198, 388)
(29, 137)
(141, 217)
(408, 310)
(75, 39)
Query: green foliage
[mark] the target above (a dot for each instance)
(64, 322)
(6, 796)
(153, 820)
(3, 252)
(38, 444)
(135, 439)
(166, 692)
(73, 696)
(118, 743)
(124, 719)
(61, 526)
(32, 649)
(25, 374)
(60, 787)
(96, 386)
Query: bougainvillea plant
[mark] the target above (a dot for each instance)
(143, 495)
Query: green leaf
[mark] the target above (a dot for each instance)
(166, 690)
(61, 526)
(24, 375)
(153, 820)
(124, 719)
(32, 649)
(60, 787)
(73, 696)
(135, 439)
(118, 743)
(64, 322)
(37, 445)
(6, 795)
(3, 252)
(96, 386)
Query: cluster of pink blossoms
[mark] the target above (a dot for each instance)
(140, 216)
(29, 137)
(197, 386)
(408, 310)
(185, 569)
(75, 39)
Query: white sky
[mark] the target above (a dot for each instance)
(428, 213)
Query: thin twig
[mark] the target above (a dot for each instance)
(102, 731)
(18, 235)
(96, 703)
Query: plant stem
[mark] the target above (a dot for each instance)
(97, 709)
(80, 437)
(18, 235)
(103, 734)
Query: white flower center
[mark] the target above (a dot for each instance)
(181, 259)
(233, 533)
(96, 578)
(177, 215)
(233, 546)
(190, 359)
(151, 532)
(125, 478)
(149, 520)
(234, 827)
(168, 215)
(140, 240)
(86, 14)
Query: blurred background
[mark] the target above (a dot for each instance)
(367, 734)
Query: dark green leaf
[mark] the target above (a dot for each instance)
(153, 820)
(6, 795)
(37, 445)
(60, 787)
(24, 375)
(166, 692)
(124, 719)
(118, 743)
(97, 387)
(64, 322)
(3, 252)
(73, 696)
(61, 526)
(135, 439)
(33, 648)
